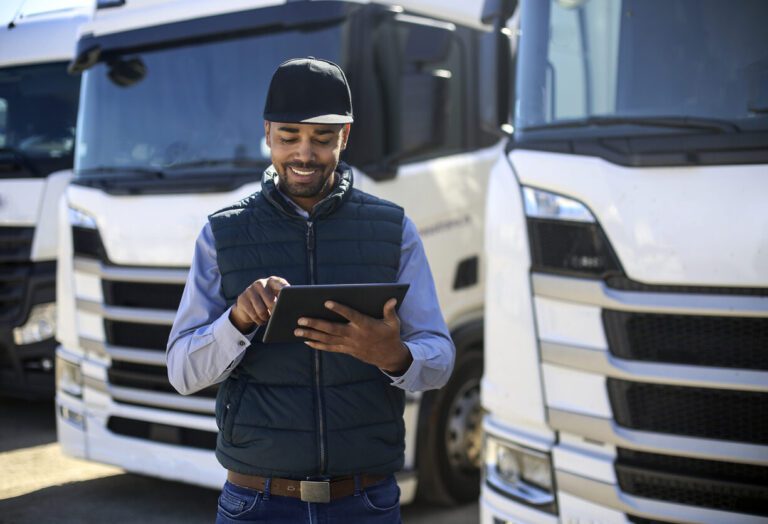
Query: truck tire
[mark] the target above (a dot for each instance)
(450, 435)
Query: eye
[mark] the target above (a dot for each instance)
(287, 140)
(323, 142)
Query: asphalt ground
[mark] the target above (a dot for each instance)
(41, 485)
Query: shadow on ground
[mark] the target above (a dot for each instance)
(26, 423)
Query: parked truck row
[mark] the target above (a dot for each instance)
(588, 179)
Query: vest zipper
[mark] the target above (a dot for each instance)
(318, 390)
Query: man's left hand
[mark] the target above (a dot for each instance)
(375, 341)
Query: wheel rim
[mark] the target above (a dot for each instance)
(463, 436)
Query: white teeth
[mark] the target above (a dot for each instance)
(304, 173)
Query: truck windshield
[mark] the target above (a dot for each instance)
(186, 110)
(38, 112)
(612, 67)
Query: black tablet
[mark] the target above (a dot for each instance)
(295, 302)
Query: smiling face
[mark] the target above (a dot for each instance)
(305, 157)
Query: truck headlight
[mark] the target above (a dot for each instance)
(78, 218)
(521, 473)
(565, 237)
(69, 378)
(86, 241)
(40, 325)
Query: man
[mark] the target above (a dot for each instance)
(310, 431)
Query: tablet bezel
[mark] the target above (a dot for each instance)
(368, 299)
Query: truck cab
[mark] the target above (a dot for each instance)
(627, 278)
(38, 113)
(171, 129)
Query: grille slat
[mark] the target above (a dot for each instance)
(740, 416)
(728, 342)
(724, 486)
(623, 283)
(148, 378)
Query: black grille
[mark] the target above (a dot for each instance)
(730, 342)
(147, 377)
(698, 412)
(86, 242)
(133, 335)
(15, 269)
(143, 295)
(13, 282)
(741, 488)
(163, 433)
(16, 244)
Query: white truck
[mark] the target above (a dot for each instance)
(626, 331)
(170, 119)
(38, 112)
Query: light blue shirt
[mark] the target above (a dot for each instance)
(204, 346)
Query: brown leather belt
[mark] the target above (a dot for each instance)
(306, 490)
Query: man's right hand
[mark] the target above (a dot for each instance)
(254, 305)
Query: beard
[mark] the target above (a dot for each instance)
(319, 184)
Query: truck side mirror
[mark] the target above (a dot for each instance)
(496, 71)
(494, 10)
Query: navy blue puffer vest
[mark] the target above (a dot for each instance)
(288, 410)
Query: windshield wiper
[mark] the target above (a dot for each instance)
(120, 172)
(238, 163)
(674, 122)
(13, 160)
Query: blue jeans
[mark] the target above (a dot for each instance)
(378, 504)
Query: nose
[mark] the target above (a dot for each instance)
(304, 153)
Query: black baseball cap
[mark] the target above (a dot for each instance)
(308, 91)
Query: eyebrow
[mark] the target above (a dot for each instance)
(324, 131)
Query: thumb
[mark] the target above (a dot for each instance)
(389, 310)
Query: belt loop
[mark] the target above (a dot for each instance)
(267, 484)
(358, 481)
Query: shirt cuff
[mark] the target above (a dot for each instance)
(412, 373)
(228, 336)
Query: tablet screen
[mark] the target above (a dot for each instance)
(295, 302)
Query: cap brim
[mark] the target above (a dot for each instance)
(317, 119)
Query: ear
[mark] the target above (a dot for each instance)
(266, 133)
(345, 135)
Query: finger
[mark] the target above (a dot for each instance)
(333, 348)
(266, 296)
(332, 328)
(390, 313)
(350, 314)
(275, 284)
(259, 310)
(317, 336)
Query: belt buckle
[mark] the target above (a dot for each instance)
(315, 491)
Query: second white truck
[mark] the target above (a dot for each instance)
(170, 118)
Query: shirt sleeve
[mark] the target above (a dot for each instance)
(204, 346)
(422, 326)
